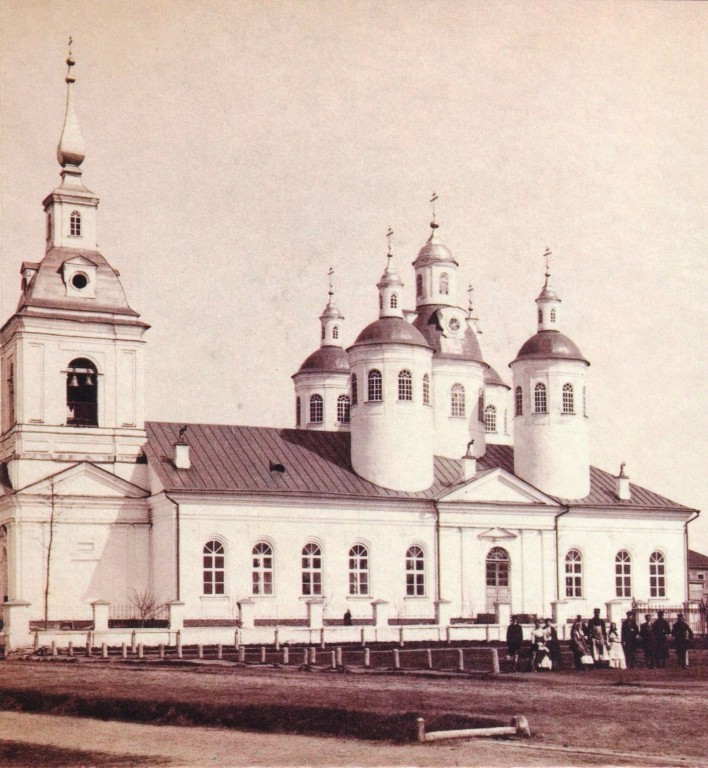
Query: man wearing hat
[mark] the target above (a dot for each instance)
(647, 637)
(682, 634)
(630, 635)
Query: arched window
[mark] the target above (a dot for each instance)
(457, 400)
(540, 401)
(444, 283)
(497, 576)
(623, 574)
(343, 409)
(657, 575)
(82, 393)
(540, 315)
(553, 315)
(518, 402)
(405, 385)
(380, 300)
(355, 393)
(426, 389)
(335, 332)
(311, 570)
(375, 386)
(262, 569)
(316, 409)
(75, 224)
(415, 572)
(298, 411)
(393, 303)
(213, 568)
(573, 574)
(358, 570)
(568, 399)
(323, 333)
(490, 419)
(419, 285)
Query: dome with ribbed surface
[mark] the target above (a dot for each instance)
(428, 323)
(329, 359)
(551, 345)
(391, 330)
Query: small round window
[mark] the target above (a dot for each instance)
(79, 281)
(454, 324)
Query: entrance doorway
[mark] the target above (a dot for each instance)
(498, 590)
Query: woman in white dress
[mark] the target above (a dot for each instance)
(616, 652)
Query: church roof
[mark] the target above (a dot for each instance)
(47, 289)
(327, 359)
(697, 559)
(390, 330)
(492, 378)
(550, 345)
(428, 323)
(241, 460)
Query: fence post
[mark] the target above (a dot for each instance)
(447, 635)
(313, 655)
(461, 660)
(495, 661)
(88, 643)
(200, 651)
(396, 658)
(124, 650)
(104, 650)
(178, 641)
(141, 651)
(54, 647)
(400, 636)
(263, 654)
(363, 640)
(322, 638)
(36, 640)
(219, 651)
(339, 657)
(420, 728)
(429, 653)
(133, 645)
(277, 640)
(306, 658)
(367, 658)
(286, 656)
(242, 654)
(70, 649)
(161, 650)
(333, 654)
(237, 640)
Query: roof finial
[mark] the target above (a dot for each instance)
(433, 224)
(389, 255)
(547, 259)
(71, 150)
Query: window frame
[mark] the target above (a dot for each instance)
(540, 398)
(426, 389)
(311, 570)
(405, 385)
(354, 391)
(344, 409)
(444, 284)
(75, 224)
(213, 565)
(374, 389)
(262, 569)
(490, 419)
(657, 574)
(458, 407)
(568, 398)
(573, 570)
(316, 409)
(415, 571)
(519, 401)
(623, 574)
(358, 570)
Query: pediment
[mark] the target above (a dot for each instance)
(498, 486)
(80, 261)
(496, 533)
(88, 480)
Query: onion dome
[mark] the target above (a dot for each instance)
(493, 379)
(428, 323)
(391, 330)
(550, 345)
(328, 359)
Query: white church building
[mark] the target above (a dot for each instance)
(416, 487)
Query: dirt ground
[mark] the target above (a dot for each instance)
(635, 717)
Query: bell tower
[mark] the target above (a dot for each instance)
(71, 357)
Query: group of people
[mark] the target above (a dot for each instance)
(594, 645)
(545, 648)
(654, 638)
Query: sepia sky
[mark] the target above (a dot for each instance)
(240, 149)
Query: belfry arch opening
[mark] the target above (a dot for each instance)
(82, 393)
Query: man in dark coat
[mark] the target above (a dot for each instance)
(630, 636)
(514, 640)
(682, 634)
(596, 621)
(647, 637)
(662, 632)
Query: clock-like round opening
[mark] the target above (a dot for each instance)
(79, 281)
(454, 324)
